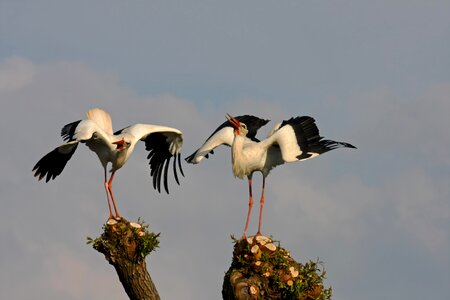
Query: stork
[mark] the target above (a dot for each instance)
(96, 132)
(296, 139)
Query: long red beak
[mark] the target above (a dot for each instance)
(233, 121)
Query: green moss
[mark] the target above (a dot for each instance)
(131, 240)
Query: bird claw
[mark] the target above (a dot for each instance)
(116, 218)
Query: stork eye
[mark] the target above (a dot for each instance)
(244, 126)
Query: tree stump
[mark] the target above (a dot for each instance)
(125, 246)
(261, 269)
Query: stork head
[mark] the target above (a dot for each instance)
(122, 144)
(239, 127)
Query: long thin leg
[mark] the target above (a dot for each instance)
(107, 196)
(250, 204)
(109, 185)
(261, 205)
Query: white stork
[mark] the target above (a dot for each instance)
(296, 139)
(96, 132)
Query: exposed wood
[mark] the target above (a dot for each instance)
(125, 246)
(262, 270)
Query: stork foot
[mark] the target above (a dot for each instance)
(112, 217)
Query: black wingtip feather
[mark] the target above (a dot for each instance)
(179, 164)
(166, 167)
(159, 156)
(158, 176)
(175, 172)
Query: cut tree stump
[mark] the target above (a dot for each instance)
(125, 246)
(261, 269)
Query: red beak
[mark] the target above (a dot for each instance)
(120, 144)
(236, 124)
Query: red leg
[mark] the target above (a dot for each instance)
(261, 205)
(250, 204)
(108, 197)
(109, 186)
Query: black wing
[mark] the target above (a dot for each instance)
(53, 163)
(160, 157)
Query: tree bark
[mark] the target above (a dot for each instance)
(125, 246)
(260, 269)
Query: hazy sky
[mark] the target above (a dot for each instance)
(372, 73)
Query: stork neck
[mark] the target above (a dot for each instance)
(121, 158)
(238, 143)
(237, 155)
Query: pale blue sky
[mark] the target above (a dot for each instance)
(372, 73)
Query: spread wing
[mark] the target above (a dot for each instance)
(163, 143)
(224, 135)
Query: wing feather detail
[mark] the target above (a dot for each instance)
(159, 159)
(162, 143)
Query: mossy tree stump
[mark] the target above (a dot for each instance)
(125, 246)
(261, 269)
